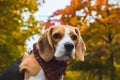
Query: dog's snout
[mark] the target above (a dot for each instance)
(68, 46)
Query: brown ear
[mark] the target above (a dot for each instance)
(80, 47)
(45, 45)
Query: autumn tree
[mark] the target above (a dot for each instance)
(14, 30)
(99, 24)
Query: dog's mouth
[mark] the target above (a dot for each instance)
(65, 57)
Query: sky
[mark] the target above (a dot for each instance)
(46, 10)
(49, 7)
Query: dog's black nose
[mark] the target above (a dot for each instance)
(68, 46)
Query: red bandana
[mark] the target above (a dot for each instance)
(53, 69)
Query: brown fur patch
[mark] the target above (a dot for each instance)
(30, 65)
(59, 31)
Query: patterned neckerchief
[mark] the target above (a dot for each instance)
(53, 69)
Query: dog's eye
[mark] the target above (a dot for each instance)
(74, 37)
(57, 36)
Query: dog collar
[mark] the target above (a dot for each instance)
(53, 69)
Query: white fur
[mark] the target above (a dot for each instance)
(39, 76)
(60, 49)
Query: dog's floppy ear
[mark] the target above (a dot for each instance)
(45, 45)
(80, 46)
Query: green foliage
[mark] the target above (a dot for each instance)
(12, 29)
(72, 75)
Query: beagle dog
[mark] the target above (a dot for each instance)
(63, 43)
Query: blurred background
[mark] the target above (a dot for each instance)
(23, 21)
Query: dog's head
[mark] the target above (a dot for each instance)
(62, 42)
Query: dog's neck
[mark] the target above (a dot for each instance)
(53, 69)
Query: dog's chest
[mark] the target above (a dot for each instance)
(39, 76)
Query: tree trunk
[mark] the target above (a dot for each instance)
(112, 69)
(100, 77)
(110, 39)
